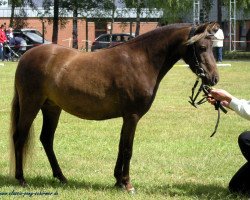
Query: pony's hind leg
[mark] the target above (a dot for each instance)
(22, 137)
(51, 114)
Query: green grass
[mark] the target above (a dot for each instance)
(174, 156)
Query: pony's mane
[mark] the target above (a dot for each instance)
(158, 30)
(201, 31)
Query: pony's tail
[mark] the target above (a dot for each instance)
(15, 111)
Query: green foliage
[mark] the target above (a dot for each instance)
(237, 55)
(20, 20)
(79, 4)
(174, 10)
(240, 4)
(173, 155)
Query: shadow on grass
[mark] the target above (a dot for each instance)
(195, 191)
(43, 182)
(187, 189)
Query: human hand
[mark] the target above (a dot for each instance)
(219, 95)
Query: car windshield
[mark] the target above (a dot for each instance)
(35, 37)
(115, 38)
(33, 31)
(105, 38)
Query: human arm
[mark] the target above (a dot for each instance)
(241, 107)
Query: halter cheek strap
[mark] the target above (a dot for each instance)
(191, 48)
(206, 89)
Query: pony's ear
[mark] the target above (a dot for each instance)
(210, 27)
(201, 28)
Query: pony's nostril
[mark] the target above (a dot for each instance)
(215, 80)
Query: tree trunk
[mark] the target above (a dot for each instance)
(75, 34)
(219, 14)
(248, 40)
(112, 21)
(12, 14)
(55, 22)
(138, 19)
(87, 35)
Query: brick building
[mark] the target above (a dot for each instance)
(124, 23)
(94, 26)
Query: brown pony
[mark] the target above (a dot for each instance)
(121, 81)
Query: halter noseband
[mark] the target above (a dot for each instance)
(205, 88)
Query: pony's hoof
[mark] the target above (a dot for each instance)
(22, 183)
(131, 191)
(61, 178)
(126, 188)
(119, 186)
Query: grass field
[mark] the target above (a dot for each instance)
(174, 156)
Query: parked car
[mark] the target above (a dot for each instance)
(103, 41)
(29, 38)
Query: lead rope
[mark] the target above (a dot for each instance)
(217, 105)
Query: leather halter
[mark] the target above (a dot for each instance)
(205, 88)
(191, 48)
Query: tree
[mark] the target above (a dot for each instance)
(55, 22)
(20, 22)
(174, 10)
(56, 16)
(243, 5)
(78, 7)
(206, 8)
(140, 6)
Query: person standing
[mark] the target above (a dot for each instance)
(240, 182)
(10, 36)
(218, 44)
(3, 40)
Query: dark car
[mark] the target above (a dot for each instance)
(28, 38)
(103, 41)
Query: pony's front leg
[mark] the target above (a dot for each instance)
(121, 172)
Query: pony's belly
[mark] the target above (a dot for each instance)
(93, 111)
(95, 114)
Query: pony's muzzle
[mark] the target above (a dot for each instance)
(215, 80)
(211, 81)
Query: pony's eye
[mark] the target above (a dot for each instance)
(203, 48)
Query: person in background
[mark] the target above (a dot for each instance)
(3, 40)
(19, 41)
(218, 44)
(10, 36)
(11, 42)
(240, 183)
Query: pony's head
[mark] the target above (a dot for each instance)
(199, 53)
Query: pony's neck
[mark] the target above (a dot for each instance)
(168, 50)
(163, 47)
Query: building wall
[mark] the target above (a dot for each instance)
(65, 33)
(125, 27)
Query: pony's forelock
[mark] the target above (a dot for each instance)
(209, 31)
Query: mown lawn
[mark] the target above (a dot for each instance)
(174, 156)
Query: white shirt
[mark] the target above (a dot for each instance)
(218, 42)
(241, 107)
